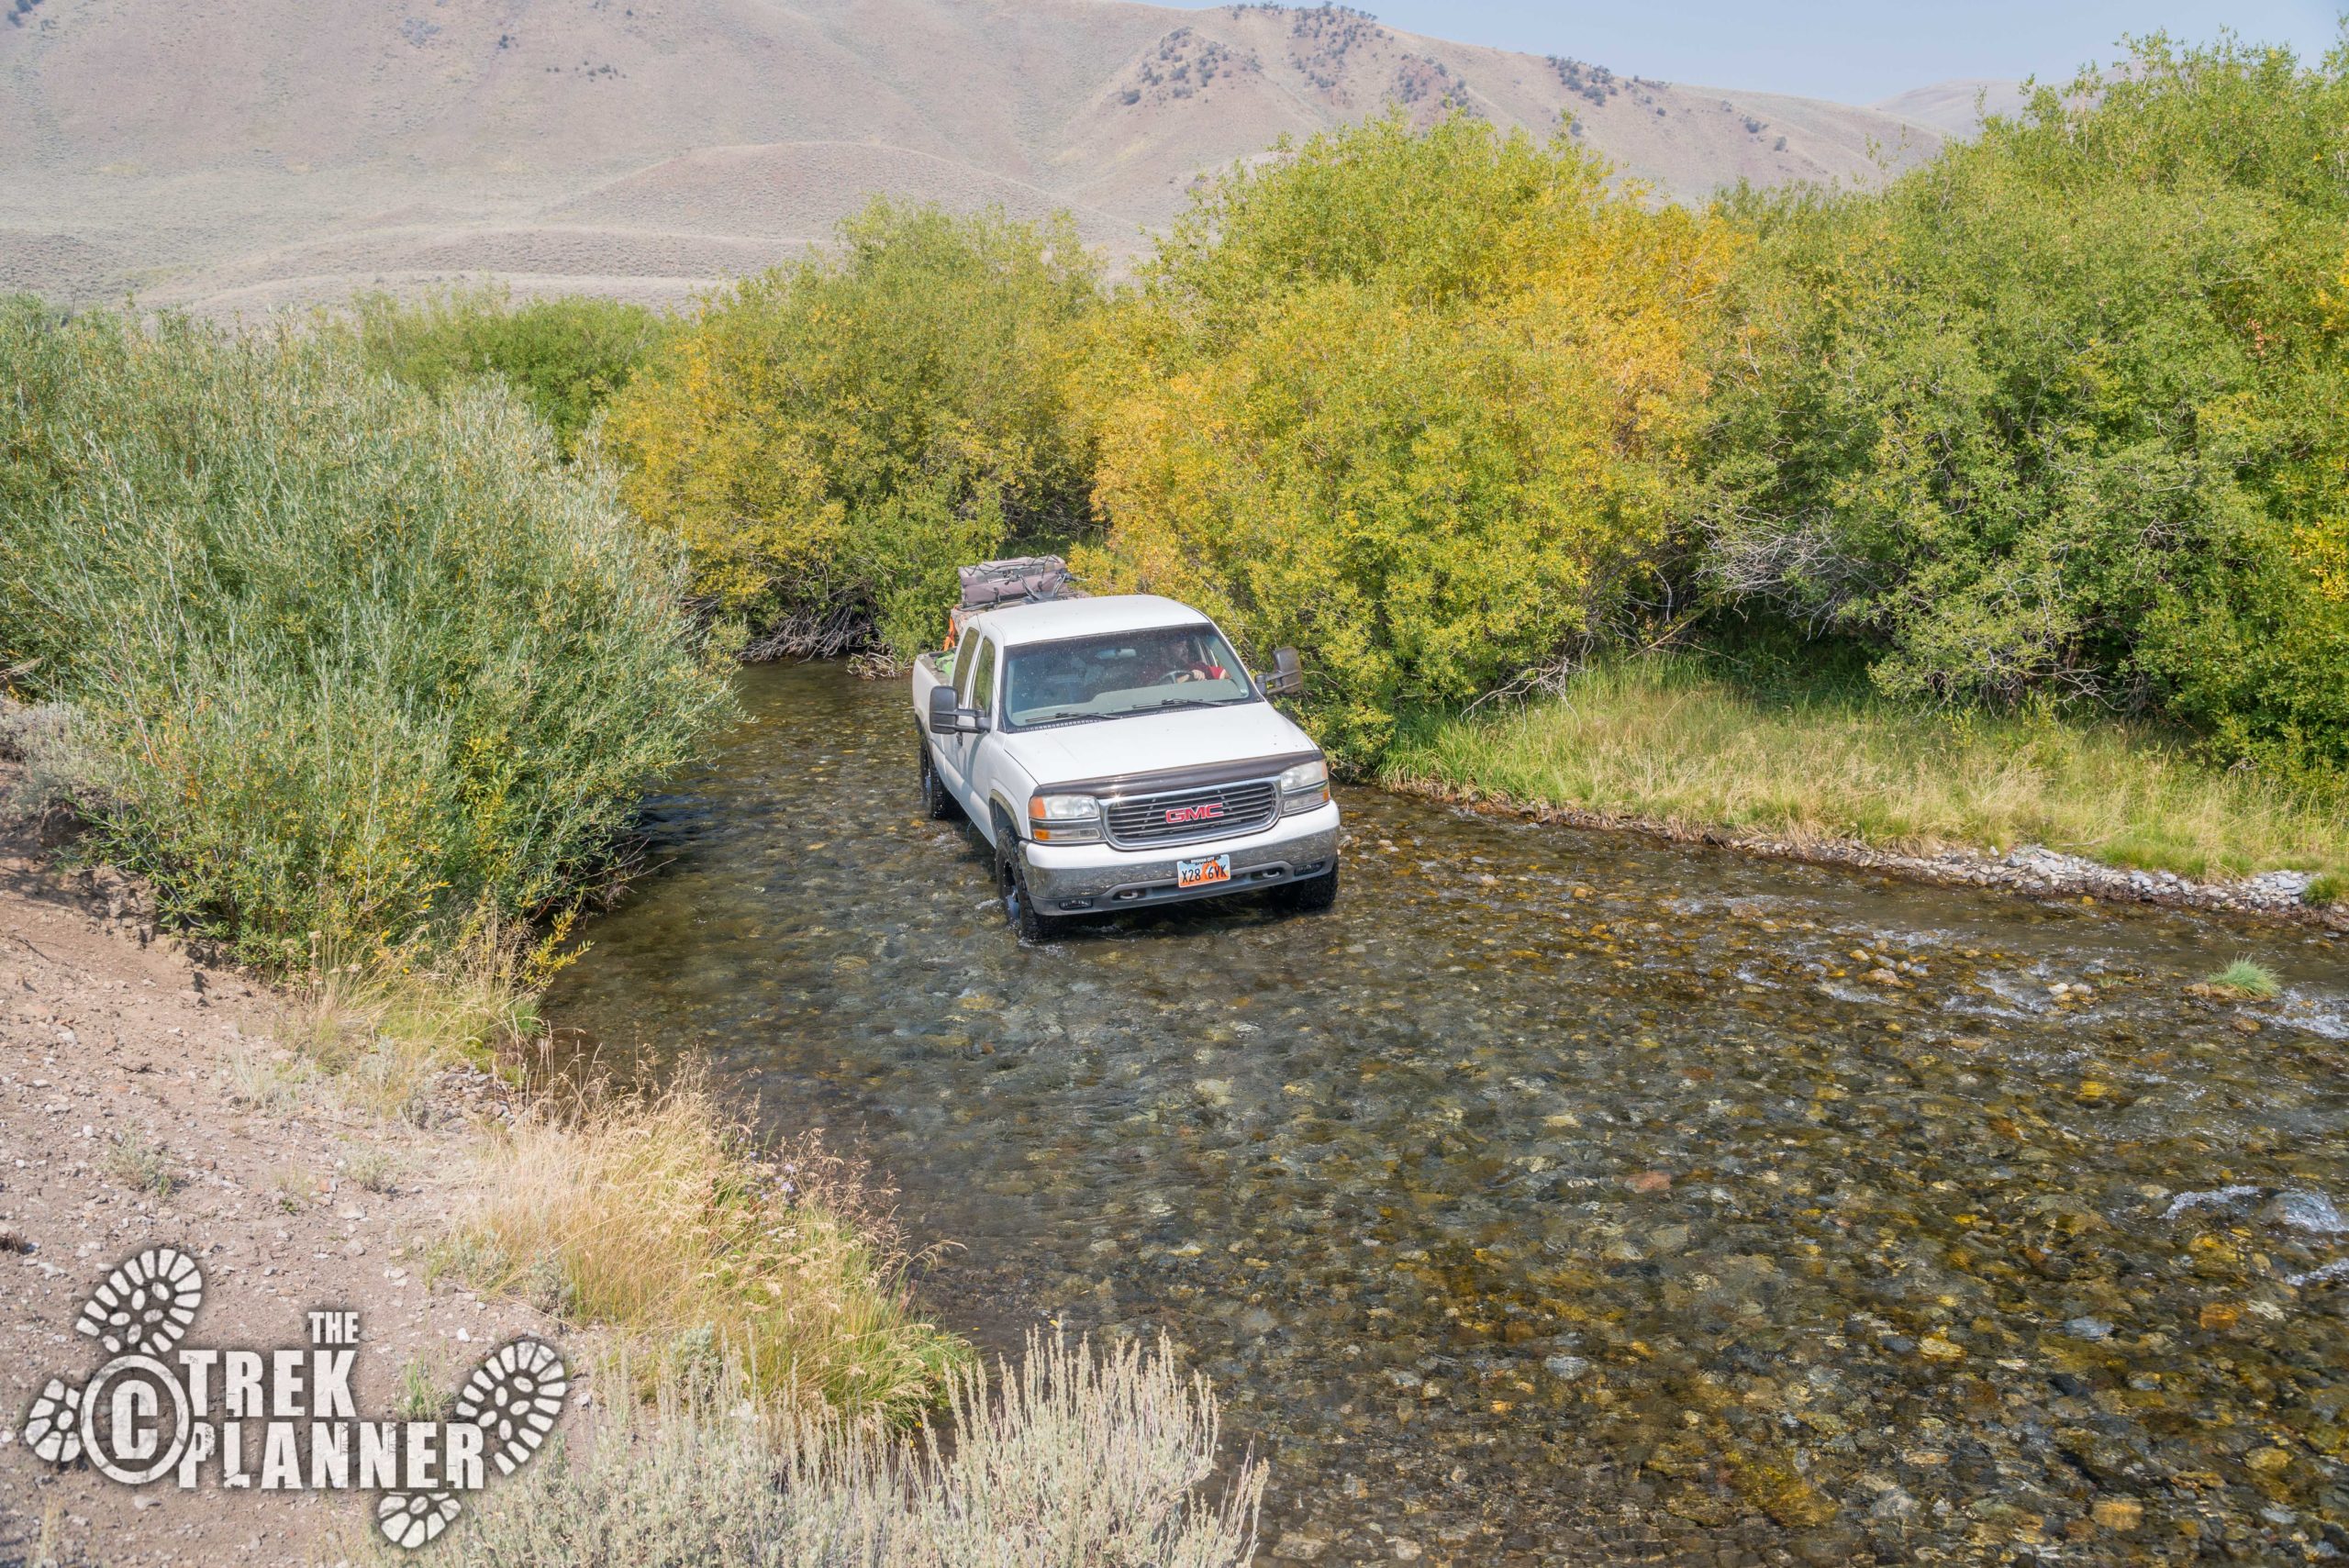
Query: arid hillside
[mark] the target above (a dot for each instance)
(253, 153)
(1953, 108)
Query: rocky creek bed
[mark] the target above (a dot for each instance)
(1569, 1195)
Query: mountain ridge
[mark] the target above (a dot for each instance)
(258, 153)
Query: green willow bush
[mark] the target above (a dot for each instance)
(1414, 402)
(565, 357)
(353, 669)
(831, 439)
(2064, 411)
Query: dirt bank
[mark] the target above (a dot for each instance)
(146, 1099)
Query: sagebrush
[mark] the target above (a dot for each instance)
(1072, 1458)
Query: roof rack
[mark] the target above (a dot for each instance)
(1020, 580)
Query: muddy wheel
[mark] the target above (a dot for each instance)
(1312, 896)
(1011, 885)
(936, 802)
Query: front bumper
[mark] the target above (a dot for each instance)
(1083, 879)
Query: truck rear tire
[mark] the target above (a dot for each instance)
(936, 803)
(1312, 896)
(1011, 884)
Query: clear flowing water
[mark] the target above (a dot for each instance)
(1566, 1196)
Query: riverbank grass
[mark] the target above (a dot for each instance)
(661, 1218)
(379, 1037)
(1669, 739)
(655, 1217)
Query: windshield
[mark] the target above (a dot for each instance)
(1123, 673)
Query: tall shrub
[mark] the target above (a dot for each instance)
(351, 666)
(565, 357)
(2063, 410)
(1414, 402)
(831, 439)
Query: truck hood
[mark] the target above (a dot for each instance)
(1150, 743)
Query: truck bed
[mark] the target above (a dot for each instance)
(931, 670)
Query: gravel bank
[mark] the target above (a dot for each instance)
(146, 1099)
(2029, 869)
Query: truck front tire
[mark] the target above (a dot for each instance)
(1313, 895)
(1011, 884)
(937, 803)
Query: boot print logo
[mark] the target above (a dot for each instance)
(279, 1420)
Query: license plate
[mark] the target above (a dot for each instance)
(1198, 873)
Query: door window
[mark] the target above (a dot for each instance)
(983, 681)
(966, 664)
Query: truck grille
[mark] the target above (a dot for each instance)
(1180, 816)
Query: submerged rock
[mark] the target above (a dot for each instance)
(2303, 1210)
(1779, 1491)
(2118, 1513)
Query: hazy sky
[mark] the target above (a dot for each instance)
(1853, 50)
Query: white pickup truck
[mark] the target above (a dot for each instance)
(1115, 754)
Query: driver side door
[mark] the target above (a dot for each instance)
(973, 688)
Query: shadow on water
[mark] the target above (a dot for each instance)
(1561, 1194)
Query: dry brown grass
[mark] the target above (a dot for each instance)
(375, 1037)
(658, 1215)
(1662, 741)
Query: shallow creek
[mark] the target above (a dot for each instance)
(1566, 1195)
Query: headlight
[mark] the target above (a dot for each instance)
(1305, 775)
(1306, 786)
(1064, 818)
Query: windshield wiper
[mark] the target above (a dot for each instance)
(1076, 715)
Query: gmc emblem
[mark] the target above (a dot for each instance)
(1207, 812)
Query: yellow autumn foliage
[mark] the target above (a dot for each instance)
(706, 461)
(2321, 545)
(1412, 403)
(832, 438)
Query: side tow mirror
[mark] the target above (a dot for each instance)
(1287, 676)
(945, 719)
